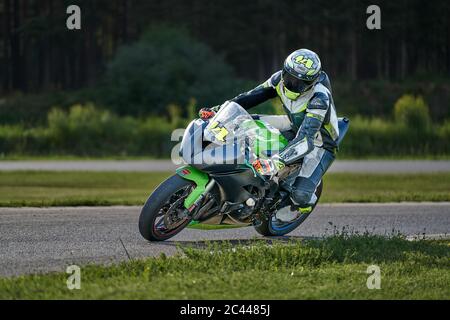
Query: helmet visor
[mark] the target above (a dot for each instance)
(294, 84)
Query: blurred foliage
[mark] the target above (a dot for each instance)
(138, 57)
(85, 130)
(88, 131)
(166, 67)
(375, 98)
(412, 112)
(369, 99)
(147, 66)
(380, 138)
(40, 54)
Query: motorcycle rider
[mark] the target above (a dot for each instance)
(305, 92)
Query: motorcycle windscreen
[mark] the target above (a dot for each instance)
(233, 124)
(225, 125)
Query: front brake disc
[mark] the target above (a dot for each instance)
(174, 216)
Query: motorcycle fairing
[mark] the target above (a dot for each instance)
(198, 177)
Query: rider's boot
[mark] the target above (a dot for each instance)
(308, 208)
(296, 210)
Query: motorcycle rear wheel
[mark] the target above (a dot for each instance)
(271, 228)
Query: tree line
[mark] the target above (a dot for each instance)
(38, 53)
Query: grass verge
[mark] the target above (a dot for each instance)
(38, 188)
(333, 268)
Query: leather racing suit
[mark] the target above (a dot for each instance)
(313, 120)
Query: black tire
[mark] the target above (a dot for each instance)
(265, 227)
(157, 201)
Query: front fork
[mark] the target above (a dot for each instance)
(203, 184)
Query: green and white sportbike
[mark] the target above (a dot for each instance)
(218, 184)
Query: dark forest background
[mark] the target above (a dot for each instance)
(39, 53)
(147, 58)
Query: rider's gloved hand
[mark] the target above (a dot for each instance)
(268, 167)
(206, 113)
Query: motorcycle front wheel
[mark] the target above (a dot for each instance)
(163, 214)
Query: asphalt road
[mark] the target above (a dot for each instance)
(373, 166)
(50, 239)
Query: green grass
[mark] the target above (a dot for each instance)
(334, 268)
(344, 187)
(36, 188)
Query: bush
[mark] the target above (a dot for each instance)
(153, 137)
(412, 112)
(166, 67)
(376, 98)
(11, 138)
(85, 130)
(17, 140)
(444, 132)
(379, 138)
